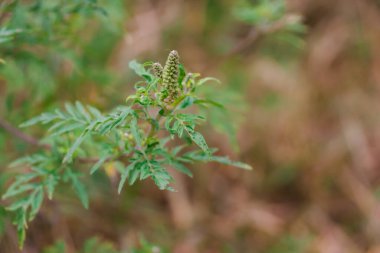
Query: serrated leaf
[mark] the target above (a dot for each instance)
(66, 129)
(177, 149)
(168, 123)
(227, 161)
(98, 164)
(134, 174)
(56, 125)
(196, 156)
(76, 144)
(145, 170)
(71, 110)
(83, 111)
(38, 197)
(121, 117)
(198, 139)
(18, 182)
(50, 186)
(161, 177)
(13, 191)
(79, 189)
(124, 176)
(182, 168)
(135, 132)
(94, 111)
(18, 204)
(43, 118)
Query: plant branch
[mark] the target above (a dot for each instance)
(257, 33)
(14, 131)
(8, 127)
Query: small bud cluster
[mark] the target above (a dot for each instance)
(171, 89)
(157, 70)
(188, 81)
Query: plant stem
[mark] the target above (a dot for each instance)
(153, 130)
(21, 135)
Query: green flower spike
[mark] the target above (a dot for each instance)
(171, 90)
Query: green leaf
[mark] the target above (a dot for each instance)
(43, 118)
(77, 143)
(168, 123)
(135, 132)
(71, 110)
(197, 156)
(188, 101)
(182, 168)
(38, 197)
(140, 70)
(51, 182)
(207, 79)
(79, 188)
(8, 34)
(161, 177)
(177, 149)
(181, 74)
(209, 101)
(124, 176)
(94, 111)
(66, 129)
(13, 191)
(20, 203)
(134, 174)
(198, 139)
(227, 161)
(83, 111)
(98, 164)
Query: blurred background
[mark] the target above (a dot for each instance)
(301, 79)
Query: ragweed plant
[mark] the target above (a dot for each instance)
(154, 130)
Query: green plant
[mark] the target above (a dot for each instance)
(154, 130)
(271, 23)
(39, 44)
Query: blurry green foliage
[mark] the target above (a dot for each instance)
(260, 12)
(42, 50)
(95, 245)
(147, 247)
(284, 31)
(7, 34)
(289, 244)
(220, 118)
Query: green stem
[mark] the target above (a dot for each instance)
(153, 130)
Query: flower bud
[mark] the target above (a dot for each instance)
(170, 86)
(157, 70)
